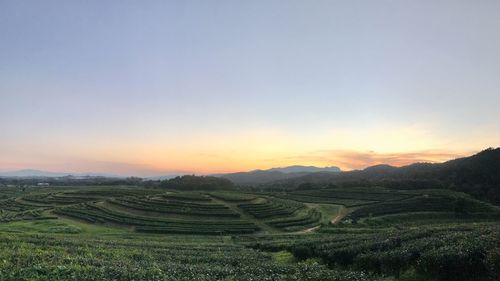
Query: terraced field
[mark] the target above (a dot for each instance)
(100, 213)
(6, 216)
(159, 211)
(80, 196)
(277, 214)
(14, 205)
(265, 207)
(420, 204)
(384, 207)
(309, 217)
(428, 253)
(233, 196)
(150, 258)
(351, 197)
(162, 211)
(16, 210)
(115, 233)
(167, 205)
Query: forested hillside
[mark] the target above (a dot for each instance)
(478, 175)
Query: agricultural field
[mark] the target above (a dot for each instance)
(137, 233)
(51, 257)
(429, 253)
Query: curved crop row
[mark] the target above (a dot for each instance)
(268, 208)
(6, 216)
(16, 206)
(96, 213)
(379, 195)
(187, 196)
(161, 205)
(325, 200)
(233, 197)
(444, 254)
(420, 204)
(312, 216)
(148, 259)
(55, 199)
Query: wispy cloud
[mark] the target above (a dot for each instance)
(349, 159)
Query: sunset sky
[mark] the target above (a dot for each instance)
(156, 87)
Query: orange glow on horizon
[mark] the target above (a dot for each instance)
(244, 151)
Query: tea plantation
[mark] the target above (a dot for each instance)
(137, 233)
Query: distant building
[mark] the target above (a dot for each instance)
(43, 184)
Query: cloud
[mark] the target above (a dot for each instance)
(242, 150)
(349, 159)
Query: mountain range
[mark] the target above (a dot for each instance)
(478, 175)
(31, 173)
(275, 174)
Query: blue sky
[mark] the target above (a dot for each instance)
(147, 87)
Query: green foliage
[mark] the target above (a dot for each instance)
(197, 183)
(96, 213)
(350, 197)
(81, 196)
(175, 206)
(233, 196)
(271, 207)
(309, 218)
(444, 254)
(14, 205)
(426, 203)
(117, 233)
(24, 258)
(477, 175)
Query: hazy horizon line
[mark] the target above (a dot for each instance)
(369, 158)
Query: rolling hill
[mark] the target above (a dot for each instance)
(478, 175)
(275, 174)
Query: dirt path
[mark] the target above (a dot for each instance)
(308, 230)
(342, 213)
(336, 219)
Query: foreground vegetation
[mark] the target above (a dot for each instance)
(44, 257)
(328, 233)
(429, 253)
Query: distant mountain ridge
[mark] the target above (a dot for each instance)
(31, 173)
(478, 175)
(275, 174)
(483, 167)
(305, 169)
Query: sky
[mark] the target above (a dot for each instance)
(156, 87)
